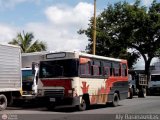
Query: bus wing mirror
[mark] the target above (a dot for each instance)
(33, 67)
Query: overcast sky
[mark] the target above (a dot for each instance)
(55, 22)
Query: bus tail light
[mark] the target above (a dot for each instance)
(72, 93)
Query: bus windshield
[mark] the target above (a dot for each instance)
(155, 77)
(27, 75)
(59, 68)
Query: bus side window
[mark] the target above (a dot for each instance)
(106, 71)
(111, 71)
(82, 69)
(116, 72)
(116, 67)
(96, 68)
(120, 70)
(85, 69)
(124, 70)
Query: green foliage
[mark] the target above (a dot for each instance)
(25, 41)
(123, 26)
(109, 40)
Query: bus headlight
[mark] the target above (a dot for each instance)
(72, 93)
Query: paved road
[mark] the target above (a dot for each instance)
(148, 106)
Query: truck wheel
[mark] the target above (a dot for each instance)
(10, 101)
(148, 92)
(115, 101)
(141, 93)
(3, 102)
(134, 90)
(130, 93)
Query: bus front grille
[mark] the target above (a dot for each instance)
(54, 93)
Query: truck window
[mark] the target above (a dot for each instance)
(155, 77)
(27, 75)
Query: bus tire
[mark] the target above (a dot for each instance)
(3, 102)
(84, 103)
(115, 101)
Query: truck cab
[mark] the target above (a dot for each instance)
(137, 83)
(29, 81)
(30, 68)
(154, 84)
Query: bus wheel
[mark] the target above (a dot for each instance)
(115, 101)
(3, 102)
(82, 106)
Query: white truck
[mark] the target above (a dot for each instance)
(30, 62)
(154, 82)
(137, 83)
(10, 74)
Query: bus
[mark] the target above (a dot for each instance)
(80, 79)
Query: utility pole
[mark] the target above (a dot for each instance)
(94, 29)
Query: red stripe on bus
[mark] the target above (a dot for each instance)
(101, 95)
(66, 83)
(111, 81)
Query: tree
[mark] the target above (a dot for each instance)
(123, 26)
(25, 41)
(107, 40)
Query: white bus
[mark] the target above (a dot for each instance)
(80, 79)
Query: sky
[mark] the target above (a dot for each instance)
(55, 22)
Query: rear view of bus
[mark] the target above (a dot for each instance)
(79, 79)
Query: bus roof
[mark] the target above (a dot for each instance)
(100, 57)
(78, 54)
